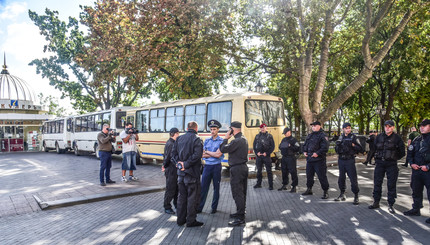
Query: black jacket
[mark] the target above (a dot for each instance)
(289, 146)
(237, 150)
(389, 148)
(344, 146)
(371, 141)
(188, 148)
(167, 161)
(316, 142)
(264, 143)
(419, 151)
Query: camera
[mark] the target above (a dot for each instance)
(178, 165)
(131, 131)
(112, 132)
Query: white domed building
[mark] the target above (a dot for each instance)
(20, 118)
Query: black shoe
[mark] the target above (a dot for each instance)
(181, 223)
(325, 195)
(428, 221)
(236, 222)
(271, 188)
(356, 201)
(375, 205)
(103, 184)
(169, 211)
(293, 189)
(412, 212)
(195, 223)
(365, 163)
(213, 211)
(341, 197)
(233, 216)
(391, 209)
(307, 192)
(277, 168)
(405, 165)
(257, 186)
(283, 188)
(111, 182)
(199, 211)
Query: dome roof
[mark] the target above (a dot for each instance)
(14, 88)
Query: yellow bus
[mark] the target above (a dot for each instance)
(250, 108)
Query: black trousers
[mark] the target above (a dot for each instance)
(392, 171)
(347, 167)
(419, 179)
(239, 184)
(188, 200)
(319, 167)
(370, 155)
(171, 187)
(289, 166)
(267, 162)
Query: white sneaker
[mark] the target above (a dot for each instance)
(124, 179)
(132, 178)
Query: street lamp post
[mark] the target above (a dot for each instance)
(381, 111)
(259, 87)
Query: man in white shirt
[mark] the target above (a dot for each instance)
(129, 150)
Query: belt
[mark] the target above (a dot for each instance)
(238, 164)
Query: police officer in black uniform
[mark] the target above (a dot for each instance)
(169, 169)
(347, 146)
(315, 150)
(187, 153)
(263, 147)
(389, 149)
(289, 148)
(419, 159)
(237, 151)
(372, 148)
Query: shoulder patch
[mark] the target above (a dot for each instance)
(410, 147)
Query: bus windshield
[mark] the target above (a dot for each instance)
(263, 111)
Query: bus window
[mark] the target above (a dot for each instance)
(196, 113)
(91, 124)
(157, 120)
(130, 119)
(175, 118)
(69, 125)
(98, 118)
(120, 119)
(61, 126)
(260, 111)
(78, 124)
(142, 121)
(220, 111)
(106, 118)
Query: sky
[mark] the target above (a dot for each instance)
(21, 42)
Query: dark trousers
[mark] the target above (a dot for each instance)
(105, 165)
(319, 167)
(171, 187)
(267, 162)
(419, 179)
(370, 155)
(392, 171)
(347, 167)
(187, 202)
(210, 173)
(289, 166)
(239, 184)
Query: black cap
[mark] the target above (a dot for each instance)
(286, 130)
(425, 122)
(236, 124)
(214, 124)
(174, 131)
(389, 122)
(346, 125)
(316, 123)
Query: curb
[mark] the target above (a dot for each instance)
(95, 197)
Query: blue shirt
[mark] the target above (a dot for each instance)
(213, 145)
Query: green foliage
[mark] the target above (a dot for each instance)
(52, 104)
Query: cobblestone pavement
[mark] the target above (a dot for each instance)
(273, 217)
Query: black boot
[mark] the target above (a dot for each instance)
(355, 199)
(365, 162)
(374, 205)
(341, 197)
(325, 195)
(307, 192)
(283, 188)
(293, 189)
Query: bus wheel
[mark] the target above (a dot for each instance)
(57, 149)
(97, 151)
(45, 149)
(75, 148)
(138, 161)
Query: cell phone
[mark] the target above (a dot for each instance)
(230, 131)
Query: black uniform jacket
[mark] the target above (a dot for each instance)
(237, 150)
(289, 146)
(419, 151)
(167, 161)
(316, 142)
(188, 148)
(264, 143)
(344, 146)
(389, 148)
